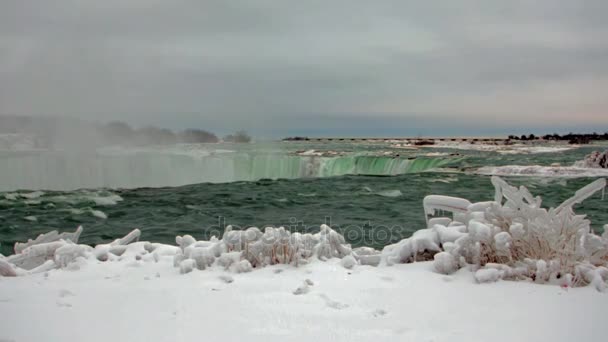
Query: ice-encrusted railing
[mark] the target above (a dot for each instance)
(512, 237)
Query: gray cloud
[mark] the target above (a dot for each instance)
(269, 65)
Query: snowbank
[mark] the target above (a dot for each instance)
(136, 300)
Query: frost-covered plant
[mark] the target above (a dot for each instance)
(518, 239)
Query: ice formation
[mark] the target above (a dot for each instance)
(595, 164)
(595, 159)
(511, 237)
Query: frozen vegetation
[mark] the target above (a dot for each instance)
(332, 290)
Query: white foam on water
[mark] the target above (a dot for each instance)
(106, 200)
(541, 171)
(390, 193)
(504, 149)
(31, 218)
(31, 195)
(99, 214)
(11, 196)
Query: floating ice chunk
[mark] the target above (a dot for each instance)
(31, 218)
(487, 275)
(106, 200)
(99, 214)
(445, 263)
(390, 193)
(11, 196)
(31, 195)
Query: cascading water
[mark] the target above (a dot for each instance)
(53, 170)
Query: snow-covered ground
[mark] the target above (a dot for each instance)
(138, 301)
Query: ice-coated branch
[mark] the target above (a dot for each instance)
(582, 194)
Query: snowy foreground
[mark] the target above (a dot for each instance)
(504, 270)
(139, 301)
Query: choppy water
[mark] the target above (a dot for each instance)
(380, 205)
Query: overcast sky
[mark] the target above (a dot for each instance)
(310, 67)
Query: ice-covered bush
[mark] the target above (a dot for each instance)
(512, 237)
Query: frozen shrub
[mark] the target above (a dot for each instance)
(544, 245)
(445, 263)
(348, 262)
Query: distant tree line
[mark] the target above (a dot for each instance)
(572, 138)
(121, 133)
(296, 138)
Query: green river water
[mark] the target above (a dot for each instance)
(372, 193)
